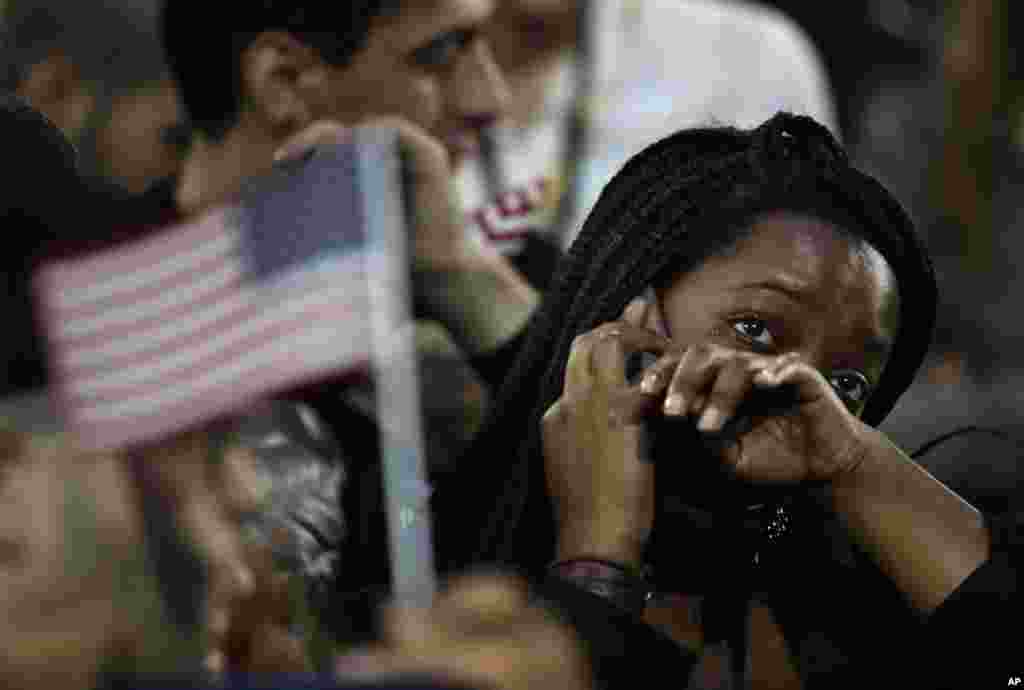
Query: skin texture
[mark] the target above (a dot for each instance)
(530, 38)
(430, 66)
(133, 138)
(792, 305)
(144, 138)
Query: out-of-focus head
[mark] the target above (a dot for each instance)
(287, 63)
(96, 69)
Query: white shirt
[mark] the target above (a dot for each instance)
(660, 66)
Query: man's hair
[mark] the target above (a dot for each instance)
(204, 49)
(111, 42)
(42, 196)
(678, 202)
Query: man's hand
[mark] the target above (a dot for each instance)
(439, 242)
(468, 286)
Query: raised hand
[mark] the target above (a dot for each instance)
(777, 417)
(601, 486)
(467, 285)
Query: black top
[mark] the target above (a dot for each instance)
(975, 638)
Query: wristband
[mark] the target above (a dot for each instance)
(625, 587)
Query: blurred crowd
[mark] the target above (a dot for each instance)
(252, 547)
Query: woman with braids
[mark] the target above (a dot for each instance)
(785, 304)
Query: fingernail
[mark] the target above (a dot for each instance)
(219, 620)
(215, 662)
(675, 404)
(649, 384)
(245, 581)
(711, 420)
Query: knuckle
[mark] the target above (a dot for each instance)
(580, 342)
(553, 415)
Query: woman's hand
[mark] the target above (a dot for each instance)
(601, 486)
(794, 426)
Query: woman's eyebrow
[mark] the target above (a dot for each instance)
(791, 287)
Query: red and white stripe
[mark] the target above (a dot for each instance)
(150, 338)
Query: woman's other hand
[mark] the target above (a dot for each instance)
(601, 486)
(773, 418)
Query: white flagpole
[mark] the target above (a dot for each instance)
(406, 489)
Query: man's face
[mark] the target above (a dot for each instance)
(139, 139)
(428, 64)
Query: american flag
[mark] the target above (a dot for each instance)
(152, 337)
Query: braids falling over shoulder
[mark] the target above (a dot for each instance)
(670, 207)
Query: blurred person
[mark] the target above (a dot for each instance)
(594, 81)
(787, 304)
(273, 75)
(264, 88)
(95, 69)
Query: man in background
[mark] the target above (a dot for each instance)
(592, 82)
(95, 69)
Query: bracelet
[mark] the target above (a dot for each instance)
(625, 587)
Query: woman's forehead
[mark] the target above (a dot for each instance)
(798, 244)
(810, 261)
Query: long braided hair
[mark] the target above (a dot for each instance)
(669, 208)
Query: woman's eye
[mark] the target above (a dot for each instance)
(851, 386)
(442, 51)
(754, 331)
